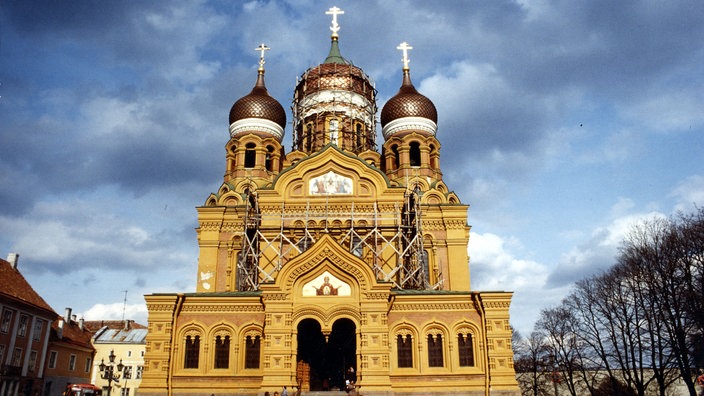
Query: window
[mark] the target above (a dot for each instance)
(38, 327)
(222, 352)
(138, 374)
(22, 329)
(415, 154)
(52, 359)
(250, 156)
(395, 157)
(17, 357)
(125, 392)
(251, 359)
(435, 350)
(2, 354)
(72, 362)
(32, 361)
(89, 363)
(129, 353)
(6, 320)
(127, 372)
(269, 154)
(466, 349)
(357, 246)
(334, 126)
(404, 348)
(191, 352)
(142, 353)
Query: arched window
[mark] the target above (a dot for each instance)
(435, 350)
(415, 154)
(395, 160)
(334, 131)
(358, 131)
(192, 352)
(465, 349)
(404, 349)
(269, 154)
(251, 352)
(222, 352)
(250, 156)
(309, 137)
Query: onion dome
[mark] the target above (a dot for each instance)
(408, 109)
(258, 111)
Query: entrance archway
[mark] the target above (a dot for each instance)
(328, 361)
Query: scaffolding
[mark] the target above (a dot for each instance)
(337, 91)
(387, 237)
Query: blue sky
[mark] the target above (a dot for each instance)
(562, 123)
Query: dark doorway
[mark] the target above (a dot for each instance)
(329, 361)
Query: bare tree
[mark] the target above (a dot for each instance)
(532, 363)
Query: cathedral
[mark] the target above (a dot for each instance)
(337, 265)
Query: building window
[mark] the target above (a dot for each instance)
(6, 320)
(72, 362)
(395, 157)
(251, 349)
(38, 327)
(414, 154)
(192, 351)
(222, 352)
(32, 361)
(250, 156)
(129, 353)
(138, 374)
(127, 372)
(17, 357)
(466, 349)
(89, 363)
(334, 130)
(404, 348)
(2, 353)
(125, 392)
(142, 353)
(22, 329)
(268, 161)
(435, 350)
(52, 359)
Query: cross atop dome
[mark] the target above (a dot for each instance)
(334, 11)
(405, 47)
(262, 47)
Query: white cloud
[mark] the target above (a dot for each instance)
(689, 193)
(116, 311)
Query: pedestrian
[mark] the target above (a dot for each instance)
(284, 392)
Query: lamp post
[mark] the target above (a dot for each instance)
(110, 371)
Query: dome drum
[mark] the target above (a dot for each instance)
(257, 125)
(419, 124)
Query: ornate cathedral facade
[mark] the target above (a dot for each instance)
(335, 262)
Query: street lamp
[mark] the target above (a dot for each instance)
(110, 371)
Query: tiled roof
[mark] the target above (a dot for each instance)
(71, 334)
(95, 325)
(15, 287)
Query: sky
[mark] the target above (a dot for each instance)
(562, 124)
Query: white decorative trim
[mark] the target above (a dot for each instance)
(407, 124)
(256, 125)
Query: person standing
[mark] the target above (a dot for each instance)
(284, 392)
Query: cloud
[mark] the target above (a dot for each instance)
(116, 311)
(599, 251)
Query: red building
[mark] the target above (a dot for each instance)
(25, 322)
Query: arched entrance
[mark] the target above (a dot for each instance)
(328, 361)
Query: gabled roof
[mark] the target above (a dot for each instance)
(71, 334)
(15, 287)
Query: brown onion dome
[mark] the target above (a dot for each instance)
(258, 112)
(408, 110)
